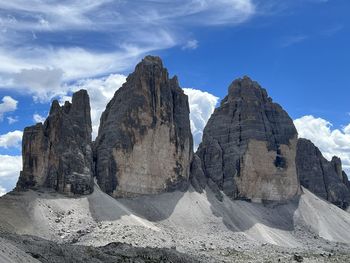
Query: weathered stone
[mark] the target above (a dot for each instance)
(58, 153)
(336, 162)
(144, 144)
(249, 146)
(346, 180)
(197, 176)
(320, 176)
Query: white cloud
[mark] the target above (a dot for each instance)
(11, 139)
(38, 118)
(96, 15)
(8, 104)
(2, 191)
(10, 166)
(55, 40)
(45, 82)
(191, 44)
(202, 105)
(12, 120)
(330, 141)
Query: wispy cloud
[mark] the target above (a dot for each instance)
(63, 40)
(293, 40)
(332, 30)
(190, 44)
(12, 120)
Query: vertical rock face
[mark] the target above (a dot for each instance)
(325, 179)
(346, 180)
(58, 153)
(249, 146)
(144, 144)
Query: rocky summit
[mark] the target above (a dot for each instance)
(144, 143)
(324, 178)
(249, 147)
(58, 153)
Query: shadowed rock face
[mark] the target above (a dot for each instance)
(144, 144)
(249, 147)
(323, 178)
(58, 153)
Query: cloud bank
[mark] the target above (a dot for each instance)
(330, 141)
(10, 167)
(202, 105)
(55, 40)
(11, 139)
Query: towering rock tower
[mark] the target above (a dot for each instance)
(249, 147)
(144, 143)
(58, 153)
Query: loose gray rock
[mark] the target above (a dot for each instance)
(323, 178)
(144, 143)
(249, 146)
(58, 153)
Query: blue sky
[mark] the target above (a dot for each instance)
(297, 49)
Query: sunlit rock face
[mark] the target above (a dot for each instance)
(144, 144)
(323, 178)
(249, 147)
(58, 153)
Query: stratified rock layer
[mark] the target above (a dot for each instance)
(323, 178)
(58, 153)
(144, 144)
(249, 147)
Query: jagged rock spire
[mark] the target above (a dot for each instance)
(249, 146)
(58, 153)
(144, 144)
(323, 178)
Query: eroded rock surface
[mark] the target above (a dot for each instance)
(323, 178)
(58, 153)
(249, 146)
(144, 144)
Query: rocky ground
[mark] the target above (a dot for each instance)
(171, 225)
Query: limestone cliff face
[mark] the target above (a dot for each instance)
(144, 144)
(325, 179)
(58, 153)
(249, 147)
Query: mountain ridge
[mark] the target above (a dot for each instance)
(249, 193)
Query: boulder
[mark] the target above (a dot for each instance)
(58, 153)
(144, 143)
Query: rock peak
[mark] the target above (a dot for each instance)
(58, 153)
(249, 146)
(149, 63)
(144, 144)
(246, 88)
(154, 60)
(322, 177)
